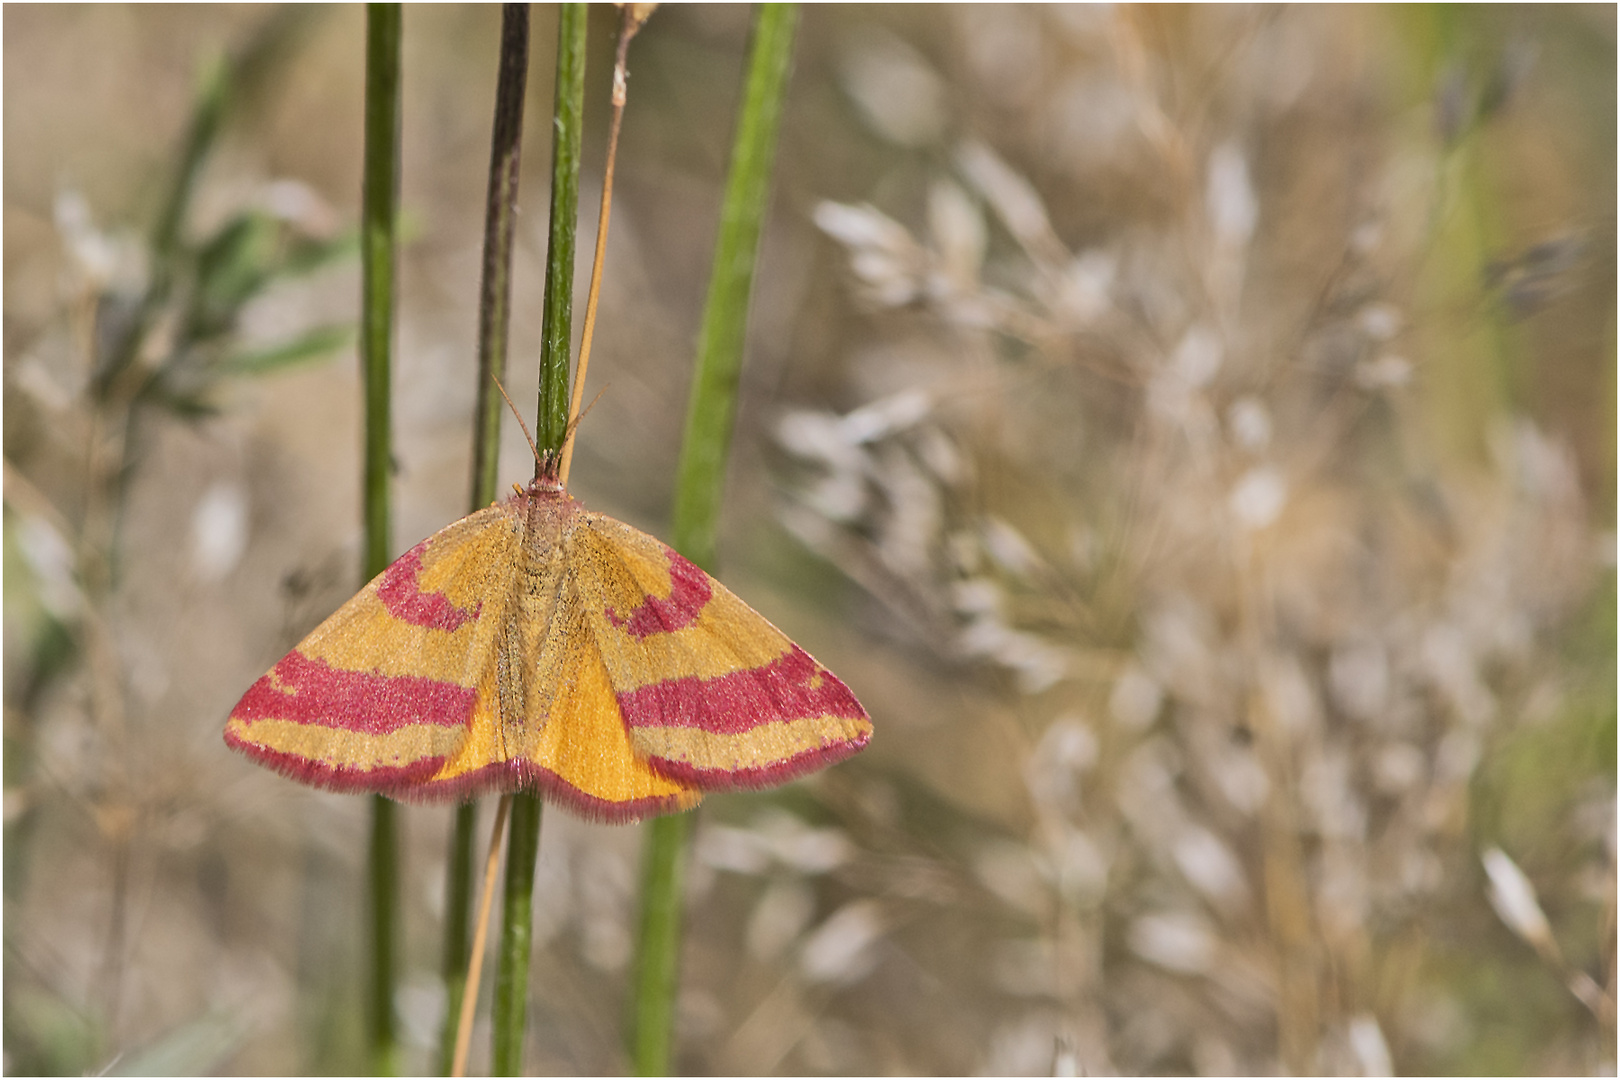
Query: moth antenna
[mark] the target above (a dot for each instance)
(568, 432)
(533, 449)
(583, 412)
(633, 15)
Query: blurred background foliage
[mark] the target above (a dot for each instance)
(1189, 430)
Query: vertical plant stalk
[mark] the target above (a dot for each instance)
(712, 406)
(632, 16)
(464, 1022)
(495, 295)
(517, 908)
(658, 945)
(699, 484)
(512, 972)
(379, 197)
(494, 318)
(557, 323)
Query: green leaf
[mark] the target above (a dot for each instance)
(312, 345)
(197, 1048)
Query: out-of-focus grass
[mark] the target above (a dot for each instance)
(1118, 730)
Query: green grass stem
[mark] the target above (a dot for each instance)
(512, 972)
(500, 215)
(658, 953)
(517, 911)
(712, 406)
(494, 317)
(700, 482)
(379, 199)
(557, 323)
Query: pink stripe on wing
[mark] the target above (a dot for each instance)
(308, 691)
(689, 592)
(791, 687)
(400, 594)
(395, 781)
(759, 777)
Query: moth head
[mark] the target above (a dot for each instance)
(547, 471)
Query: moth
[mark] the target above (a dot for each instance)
(536, 645)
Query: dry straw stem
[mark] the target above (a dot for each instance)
(632, 16)
(475, 960)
